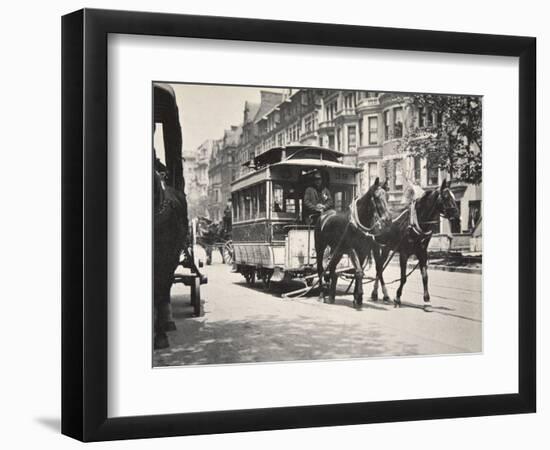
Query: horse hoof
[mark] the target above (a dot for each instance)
(321, 299)
(161, 341)
(427, 307)
(374, 297)
(397, 303)
(387, 299)
(331, 301)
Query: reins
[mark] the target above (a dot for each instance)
(390, 257)
(353, 220)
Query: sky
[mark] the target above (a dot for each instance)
(207, 110)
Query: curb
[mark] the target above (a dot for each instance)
(470, 270)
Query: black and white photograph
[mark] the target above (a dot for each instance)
(259, 225)
(301, 224)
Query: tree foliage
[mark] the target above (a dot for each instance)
(449, 137)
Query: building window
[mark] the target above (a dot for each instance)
(387, 125)
(439, 118)
(309, 123)
(372, 173)
(421, 117)
(281, 138)
(352, 138)
(295, 133)
(373, 130)
(331, 141)
(330, 111)
(433, 174)
(429, 121)
(474, 214)
(398, 122)
(455, 224)
(398, 175)
(349, 101)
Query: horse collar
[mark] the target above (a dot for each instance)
(324, 218)
(354, 220)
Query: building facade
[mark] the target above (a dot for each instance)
(222, 170)
(201, 178)
(293, 121)
(367, 127)
(252, 114)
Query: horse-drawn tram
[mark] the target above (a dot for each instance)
(273, 236)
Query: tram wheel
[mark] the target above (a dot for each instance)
(250, 278)
(266, 279)
(228, 252)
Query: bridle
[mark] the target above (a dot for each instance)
(354, 217)
(437, 202)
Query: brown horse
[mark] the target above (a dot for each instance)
(407, 240)
(351, 233)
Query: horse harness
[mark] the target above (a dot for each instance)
(356, 223)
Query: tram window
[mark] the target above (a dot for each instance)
(342, 198)
(277, 198)
(284, 199)
(249, 204)
(290, 205)
(241, 206)
(338, 198)
(234, 202)
(261, 200)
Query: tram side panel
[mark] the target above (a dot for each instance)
(295, 256)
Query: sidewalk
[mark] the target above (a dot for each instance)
(449, 262)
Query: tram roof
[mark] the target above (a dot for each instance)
(314, 163)
(286, 153)
(261, 173)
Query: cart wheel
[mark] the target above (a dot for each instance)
(196, 297)
(228, 252)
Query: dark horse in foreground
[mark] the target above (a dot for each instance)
(408, 240)
(170, 233)
(170, 225)
(351, 233)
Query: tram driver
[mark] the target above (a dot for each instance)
(317, 198)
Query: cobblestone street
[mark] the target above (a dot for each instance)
(244, 324)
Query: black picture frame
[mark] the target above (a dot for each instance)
(84, 224)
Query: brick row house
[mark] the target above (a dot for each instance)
(366, 126)
(222, 171)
